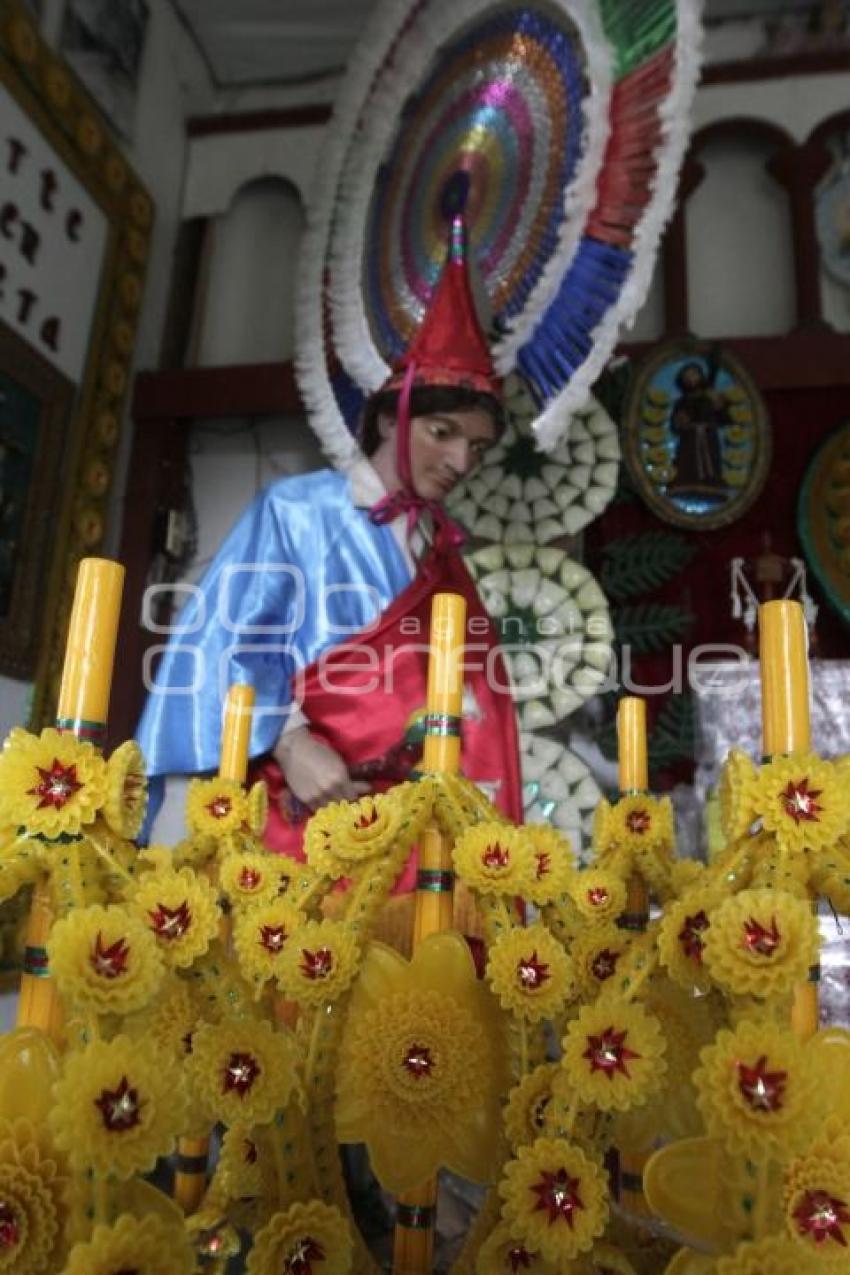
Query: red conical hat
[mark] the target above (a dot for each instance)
(450, 347)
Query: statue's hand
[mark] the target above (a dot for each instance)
(313, 771)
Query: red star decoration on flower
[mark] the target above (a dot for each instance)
(763, 1090)
(799, 801)
(496, 856)
(272, 937)
(240, 1073)
(220, 806)
(758, 939)
(604, 964)
(57, 785)
(557, 1194)
(639, 821)
(608, 1053)
(820, 1215)
(249, 878)
(519, 1257)
(300, 1258)
(418, 1061)
(597, 895)
(690, 936)
(171, 923)
(9, 1229)
(109, 962)
(120, 1108)
(318, 964)
(544, 867)
(367, 819)
(531, 972)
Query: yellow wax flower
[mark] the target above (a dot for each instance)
(775, 1255)
(554, 861)
(803, 801)
(104, 960)
(598, 952)
(249, 877)
(503, 1254)
(757, 1089)
(148, 1245)
(244, 1169)
(318, 963)
(215, 807)
(422, 1065)
(817, 1210)
(260, 934)
(761, 943)
(243, 1070)
(530, 972)
(118, 1107)
(682, 935)
(494, 858)
(311, 1237)
(525, 1112)
(738, 794)
(126, 790)
(599, 894)
(51, 784)
(556, 1199)
(168, 1021)
(345, 834)
(258, 807)
(181, 911)
(640, 823)
(32, 1188)
(612, 1055)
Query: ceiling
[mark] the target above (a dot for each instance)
(253, 42)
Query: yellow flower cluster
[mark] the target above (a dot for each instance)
(147, 1246)
(312, 1237)
(181, 911)
(50, 784)
(761, 943)
(757, 1089)
(555, 1199)
(530, 972)
(243, 1070)
(117, 1107)
(104, 960)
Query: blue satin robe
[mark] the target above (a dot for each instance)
(302, 569)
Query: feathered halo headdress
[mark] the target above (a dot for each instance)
(569, 121)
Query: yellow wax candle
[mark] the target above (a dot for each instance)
(236, 733)
(783, 653)
(90, 649)
(445, 683)
(631, 744)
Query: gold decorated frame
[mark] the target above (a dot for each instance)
(70, 122)
(634, 452)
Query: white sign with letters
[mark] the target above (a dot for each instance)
(52, 244)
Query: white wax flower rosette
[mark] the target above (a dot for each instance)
(557, 788)
(524, 496)
(554, 625)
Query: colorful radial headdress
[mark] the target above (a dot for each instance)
(570, 118)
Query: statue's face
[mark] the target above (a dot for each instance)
(444, 448)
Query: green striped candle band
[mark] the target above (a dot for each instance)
(633, 921)
(435, 880)
(635, 792)
(415, 1217)
(94, 732)
(445, 724)
(35, 962)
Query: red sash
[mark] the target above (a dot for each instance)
(366, 699)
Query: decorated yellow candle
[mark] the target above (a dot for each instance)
(783, 652)
(445, 683)
(631, 745)
(90, 649)
(236, 733)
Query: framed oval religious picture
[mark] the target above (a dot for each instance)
(696, 435)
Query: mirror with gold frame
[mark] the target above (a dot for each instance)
(75, 225)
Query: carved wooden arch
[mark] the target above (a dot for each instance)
(784, 166)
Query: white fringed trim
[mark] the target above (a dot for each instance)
(675, 113)
(311, 363)
(352, 335)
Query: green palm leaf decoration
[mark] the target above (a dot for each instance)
(673, 737)
(651, 626)
(635, 565)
